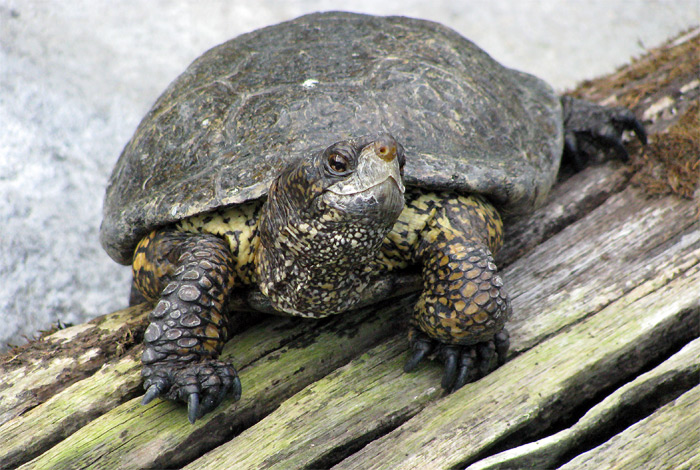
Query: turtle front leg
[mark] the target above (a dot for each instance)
(191, 275)
(461, 313)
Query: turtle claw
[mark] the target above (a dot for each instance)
(486, 352)
(202, 385)
(460, 367)
(630, 122)
(462, 364)
(212, 399)
(590, 128)
(237, 389)
(450, 355)
(421, 347)
(193, 407)
(467, 372)
(152, 392)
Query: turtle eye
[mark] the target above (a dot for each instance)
(338, 163)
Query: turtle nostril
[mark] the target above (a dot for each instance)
(385, 147)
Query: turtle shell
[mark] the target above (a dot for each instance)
(244, 110)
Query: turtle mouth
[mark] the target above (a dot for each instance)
(382, 200)
(388, 190)
(397, 184)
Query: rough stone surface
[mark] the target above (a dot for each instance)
(76, 78)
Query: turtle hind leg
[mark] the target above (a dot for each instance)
(462, 310)
(590, 130)
(192, 275)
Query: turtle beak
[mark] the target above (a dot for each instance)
(376, 184)
(379, 161)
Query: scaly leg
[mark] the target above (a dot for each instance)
(461, 313)
(191, 275)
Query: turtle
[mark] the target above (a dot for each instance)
(308, 162)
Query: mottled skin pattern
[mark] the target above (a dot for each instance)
(191, 275)
(451, 236)
(327, 273)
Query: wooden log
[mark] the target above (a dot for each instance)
(606, 286)
(34, 433)
(542, 384)
(37, 371)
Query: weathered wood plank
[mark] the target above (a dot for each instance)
(368, 397)
(44, 425)
(678, 373)
(315, 436)
(569, 201)
(132, 436)
(43, 368)
(622, 244)
(669, 439)
(42, 428)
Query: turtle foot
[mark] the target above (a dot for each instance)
(463, 364)
(590, 130)
(202, 385)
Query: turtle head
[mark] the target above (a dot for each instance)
(364, 178)
(350, 182)
(324, 221)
